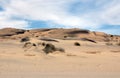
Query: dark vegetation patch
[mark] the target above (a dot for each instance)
(77, 44)
(50, 48)
(43, 44)
(25, 39)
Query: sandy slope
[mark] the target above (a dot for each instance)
(89, 60)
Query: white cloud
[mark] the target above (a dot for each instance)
(56, 11)
(6, 21)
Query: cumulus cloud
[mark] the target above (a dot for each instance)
(90, 14)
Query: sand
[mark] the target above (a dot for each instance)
(90, 60)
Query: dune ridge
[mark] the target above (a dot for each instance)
(72, 53)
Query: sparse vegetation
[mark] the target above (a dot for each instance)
(77, 44)
(50, 48)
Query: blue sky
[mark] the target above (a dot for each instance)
(95, 15)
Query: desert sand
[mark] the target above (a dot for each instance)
(90, 60)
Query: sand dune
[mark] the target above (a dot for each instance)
(90, 60)
(75, 53)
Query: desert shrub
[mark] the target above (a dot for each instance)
(25, 39)
(49, 48)
(33, 44)
(43, 44)
(109, 44)
(77, 44)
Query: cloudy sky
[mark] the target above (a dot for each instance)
(96, 15)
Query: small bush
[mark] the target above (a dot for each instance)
(25, 39)
(43, 44)
(77, 44)
(49, 48)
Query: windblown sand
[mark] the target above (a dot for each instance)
(89, 60)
